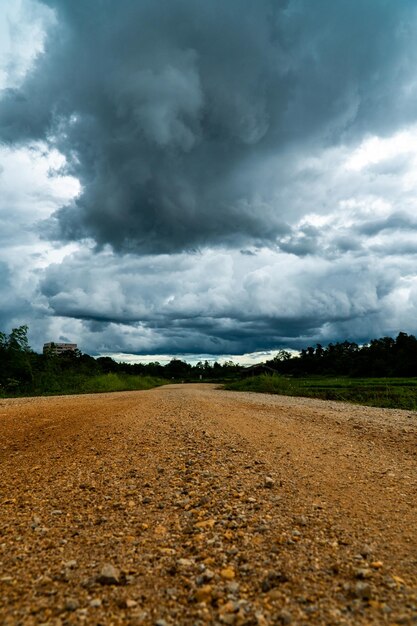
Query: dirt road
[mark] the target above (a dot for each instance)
(192, 505)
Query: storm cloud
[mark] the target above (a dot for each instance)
(193, 177)
(220, 302)
(179, 118)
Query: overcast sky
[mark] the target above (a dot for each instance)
(201, 177)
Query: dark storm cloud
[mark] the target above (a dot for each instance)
(168, 112)
(216, 302)
(14, 308)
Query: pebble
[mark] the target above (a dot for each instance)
(366, 550)
(363, 573)
(248, 563)
(228, 573)
(127, 603)
(233, 587)
(71, 604)
(36, 521)
(362, 590)
(204, 594)
(272, 579)
(109, 575)
(284, 618)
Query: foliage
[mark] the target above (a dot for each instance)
(371, 374)
(385, 357)
(120, 382)
(24, 372)
(15, 362)
(383, 392)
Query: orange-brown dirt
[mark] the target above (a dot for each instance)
(188, 504)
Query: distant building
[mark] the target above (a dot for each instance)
(257, 370)
(58, 348)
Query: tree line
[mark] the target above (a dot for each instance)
(23, 371)
(384, 357)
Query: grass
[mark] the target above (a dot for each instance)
(73, 383)
(398, 393)
(120, 382)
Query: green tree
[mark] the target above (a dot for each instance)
(15, 363)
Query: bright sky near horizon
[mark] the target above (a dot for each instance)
(207, 178)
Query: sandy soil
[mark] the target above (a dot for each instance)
(192, 505)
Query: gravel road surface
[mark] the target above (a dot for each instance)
(192, 505)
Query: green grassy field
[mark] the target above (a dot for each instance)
(383, 392)
(50, 385)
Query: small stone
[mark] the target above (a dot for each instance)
(208, 574)
(204, 594)
(56, 512)
(109, 575)
(229, 618)
(139, 618)
(71, 604)
(376, 564)
(363, 573)
(70, 564)
(362, 590)
(366, 550)
(284, 618)
(272, 580)
(260, 619)
(161, 622)
(36, 521)
(233, 587)
(95, 603)
(269, 482)
(185, 562)
(127, 603)
(228, 573)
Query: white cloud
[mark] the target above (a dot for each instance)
(23, 26)
(374, 150)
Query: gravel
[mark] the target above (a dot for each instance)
(191, 505)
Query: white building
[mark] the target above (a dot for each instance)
(58, 348)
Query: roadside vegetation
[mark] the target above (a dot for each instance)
(382, 392)
(381, 373)
(23, 372)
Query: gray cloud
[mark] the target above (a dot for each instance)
(168, 113)
(225, 153)
(395, 221)
(217, 302)
(15, 308)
